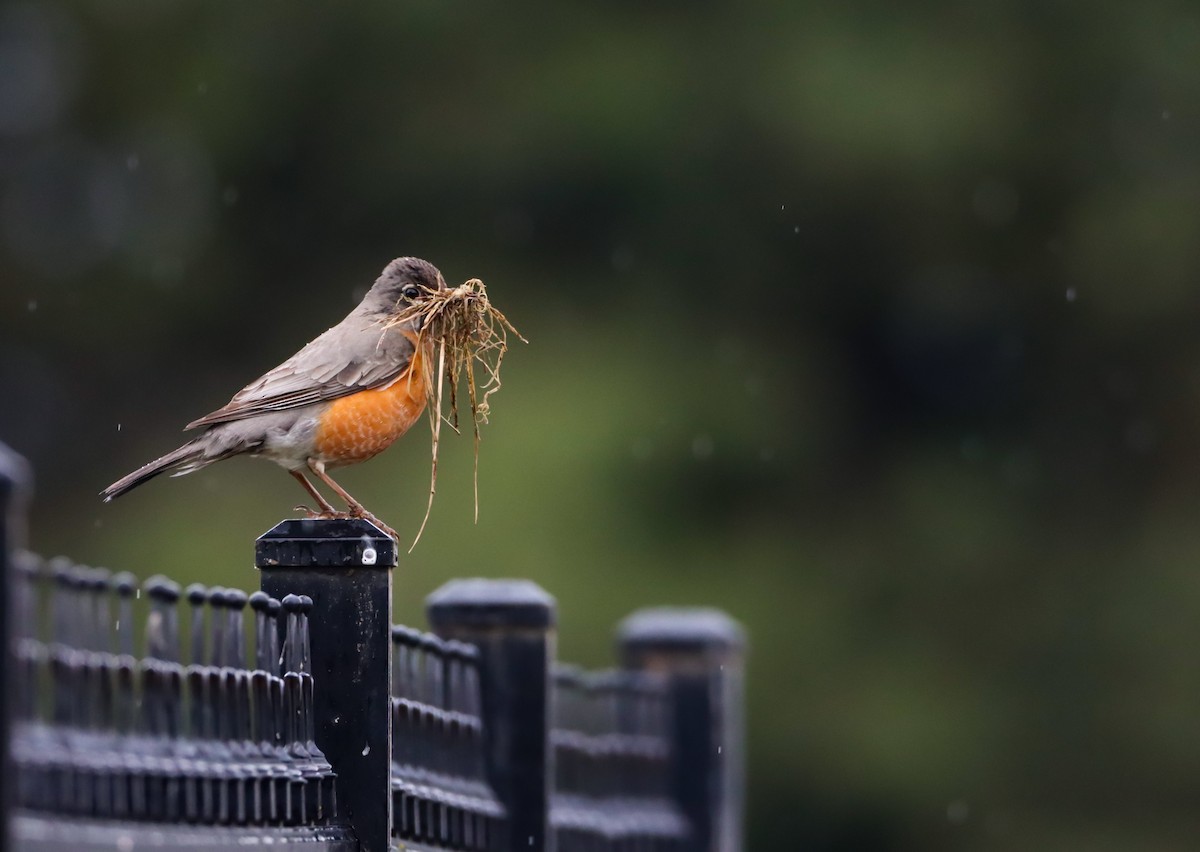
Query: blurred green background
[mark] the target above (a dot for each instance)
(874, 325)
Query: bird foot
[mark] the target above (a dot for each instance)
(313, 514)
(357, 511)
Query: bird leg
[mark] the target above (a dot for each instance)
(327, 509)
(357, 510)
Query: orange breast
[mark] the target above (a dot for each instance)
(359, 426)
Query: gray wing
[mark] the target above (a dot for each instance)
(354, 355)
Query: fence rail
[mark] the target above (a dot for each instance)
(440, 792)
(612, 759)
(301, 714)
(99, 732)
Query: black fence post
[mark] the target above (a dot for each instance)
(702, 654)
(512, 623)
(14, 490)
(345, 567)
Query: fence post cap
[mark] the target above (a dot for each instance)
(688, 629)
(160, 588)
(325, 543)
(124, 584)
(486, 603)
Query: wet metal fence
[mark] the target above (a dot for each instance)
(144, 715)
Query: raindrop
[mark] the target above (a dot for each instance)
(1070, 294)
(995, 202)
(622, 259)
(971, 448)
(1141, 436)
(366, 749)
(32, 305)
(796, 229)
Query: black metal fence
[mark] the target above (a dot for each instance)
(147, 716)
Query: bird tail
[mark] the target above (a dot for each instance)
(189, 457)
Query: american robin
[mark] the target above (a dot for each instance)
(342, 399)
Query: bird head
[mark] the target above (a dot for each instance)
(402, 284)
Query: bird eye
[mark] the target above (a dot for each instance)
(411, 292)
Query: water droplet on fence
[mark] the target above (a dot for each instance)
(366, 749)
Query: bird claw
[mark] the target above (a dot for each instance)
(388, 531)
(355, 512)
(314, 515)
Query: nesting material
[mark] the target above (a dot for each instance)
(464, 333)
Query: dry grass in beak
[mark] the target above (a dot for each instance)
(462, 327)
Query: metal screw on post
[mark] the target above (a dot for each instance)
(512, 624)
(344, 567)
(702, 653)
